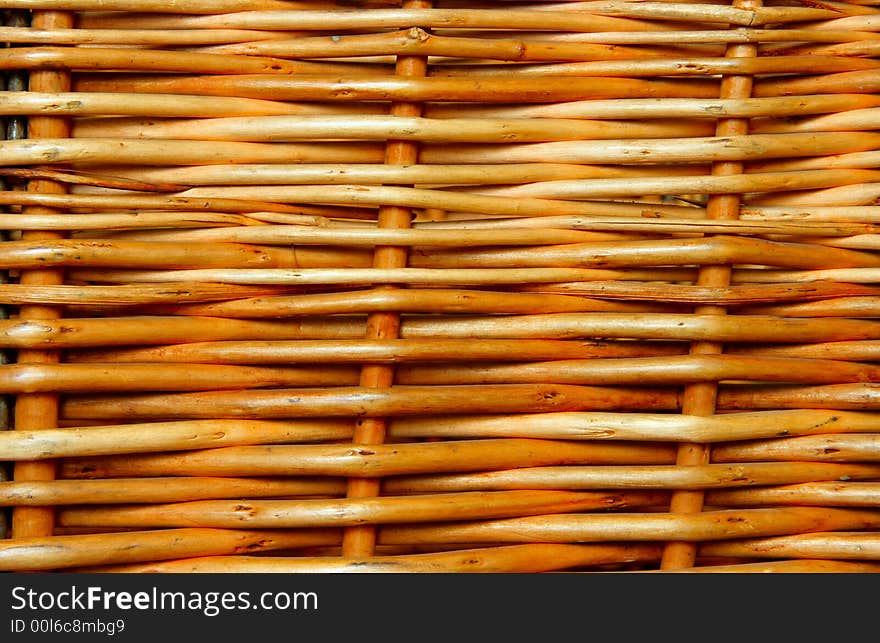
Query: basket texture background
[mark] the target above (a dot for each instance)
(440, 286)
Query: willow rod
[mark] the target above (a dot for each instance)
(416, 42)
(419, 42)
(78, 378)
(85, 332)
(832, 396)
(394, 88)
(564, 251)
(446, 200)
(731, 295)
(489, 90)
(700, 397)
(365, 350)
(659, 477)
(167, 436)
(853, 305)
(845, 82)
(853, 161)
(530, 558)
(639, 27)
(41, 410)
(623, 151)
(159, 490)
(839, 545)
(711, 185)
(49, 334)
(403, 127)
(183, 299)
(849, 120)
(12, 128)
(666, 67)
(861, 242)
(160, 6)
(135, 151)
(816, 566)
(438, 275)
(859, 275)
(838, 307)
(541, 182)
(499, 260)
(340, 460)
(342, 512)
(804, 226)
(823, 494)
(855, 350)
(811, 213)
(389, 351)
(690, 527)
(158, 105)
(264, 174)
(486, 205)
(542, 229)
(845, 195)
(600, 18)
(342, 401)
(120, 252)
(442, 400)
(115, 295)
(360, 539)
(712, 36)
(168, 37)
(33, 254)
(200, 434)
(855, 48)
(347, 276)
(412, 563)
(662, 371)
(644, 108)
(640, 426)
(120, 202)
(656, 371)
(847, 22)
(121, 59)
(178, 105)
(818, 448)
(110, 221)
(361, 461)
(59, 552)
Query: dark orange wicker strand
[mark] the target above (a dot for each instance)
(40, 410)
(361, 540)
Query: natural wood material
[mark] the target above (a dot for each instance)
(511, 559)
(443, 286)
(40, 410)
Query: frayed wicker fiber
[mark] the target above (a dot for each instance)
(441, 286)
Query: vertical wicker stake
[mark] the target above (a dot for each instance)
(40, 410)
(13, 129)
(361, 541)
(700, 398)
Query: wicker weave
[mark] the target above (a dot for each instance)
(442, 286)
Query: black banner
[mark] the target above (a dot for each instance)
(262, 607)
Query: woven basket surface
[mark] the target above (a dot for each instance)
(440, 286)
